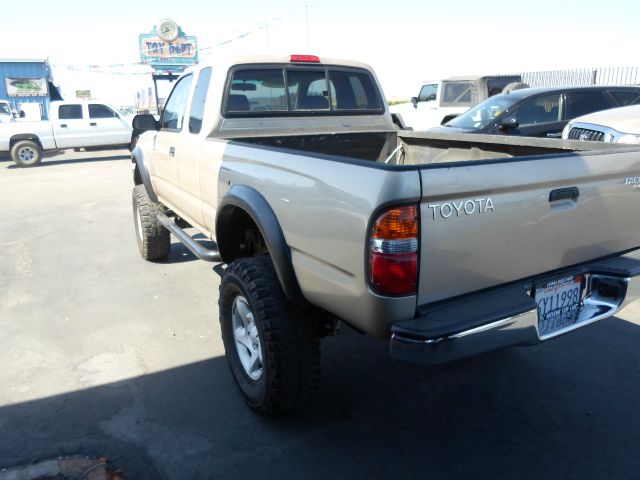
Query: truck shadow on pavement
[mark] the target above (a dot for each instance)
(51, 163)
(568, 408)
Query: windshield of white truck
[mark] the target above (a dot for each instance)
(483, 114)
(267, 91)
(4, 109)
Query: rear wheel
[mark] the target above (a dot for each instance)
(154, 241)
(273, 353)
(26, 153)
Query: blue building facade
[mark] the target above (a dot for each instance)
(28, 86)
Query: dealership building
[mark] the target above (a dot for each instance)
(28, 85)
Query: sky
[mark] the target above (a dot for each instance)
(405, 42)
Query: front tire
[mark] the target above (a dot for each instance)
(154, 241)
(273, 353)
(26, 153)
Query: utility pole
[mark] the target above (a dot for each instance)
(306, 13)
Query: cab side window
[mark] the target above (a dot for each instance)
(199, 100)
(428, 92)
(70, 112)
(173, 115)
(101, 111)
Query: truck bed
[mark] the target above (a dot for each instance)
(486, 215)
(419, 148)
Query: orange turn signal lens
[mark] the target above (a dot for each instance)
(397, 223)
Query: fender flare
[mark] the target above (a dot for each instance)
(257, 207)
(138, 157)
(25, 136)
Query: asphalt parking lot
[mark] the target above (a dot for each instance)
(105, 354)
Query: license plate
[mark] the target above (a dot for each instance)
(558, 304)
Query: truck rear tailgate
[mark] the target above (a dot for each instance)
(488, 223)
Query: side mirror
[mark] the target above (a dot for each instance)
(509, 124)
(414, 100)
(22, 114)
(144, 123)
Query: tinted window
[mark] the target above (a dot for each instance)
(353, 91)
(262, 91)
(101, 111)
(308, 90)
(539, 110)
(582, 103)
(173, 116)
(70, 112)
(199, 99)
(428, 92)
(624, 97)
(257, 91)
(496, 85)
(459, 93)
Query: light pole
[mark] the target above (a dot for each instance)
(306, 15)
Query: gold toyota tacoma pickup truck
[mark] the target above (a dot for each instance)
(322, 211)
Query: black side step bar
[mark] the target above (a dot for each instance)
(196, 247)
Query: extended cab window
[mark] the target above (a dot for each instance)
(199, 99)
(262, 92)
(173, 115)
(101, 111)
(70, 112)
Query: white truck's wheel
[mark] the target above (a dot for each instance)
(26, 153)
(274, 356)
(154, 241)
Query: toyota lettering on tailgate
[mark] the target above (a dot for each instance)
(461, 208)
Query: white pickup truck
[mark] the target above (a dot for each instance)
(72, 124)
(444, 245)
(7, 114)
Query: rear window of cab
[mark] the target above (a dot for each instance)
(292, 90)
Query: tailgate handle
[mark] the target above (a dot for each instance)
(571, 193)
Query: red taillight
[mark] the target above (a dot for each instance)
(305, 58)
(393, 257)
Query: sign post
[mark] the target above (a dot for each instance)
(168, 50)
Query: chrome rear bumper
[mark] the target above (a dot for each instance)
(604, 296)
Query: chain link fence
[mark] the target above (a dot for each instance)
(583, 76)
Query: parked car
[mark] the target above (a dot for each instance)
(72, 124)
(539, 112)
(441, 100)
(617, 125)
(323, 211)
